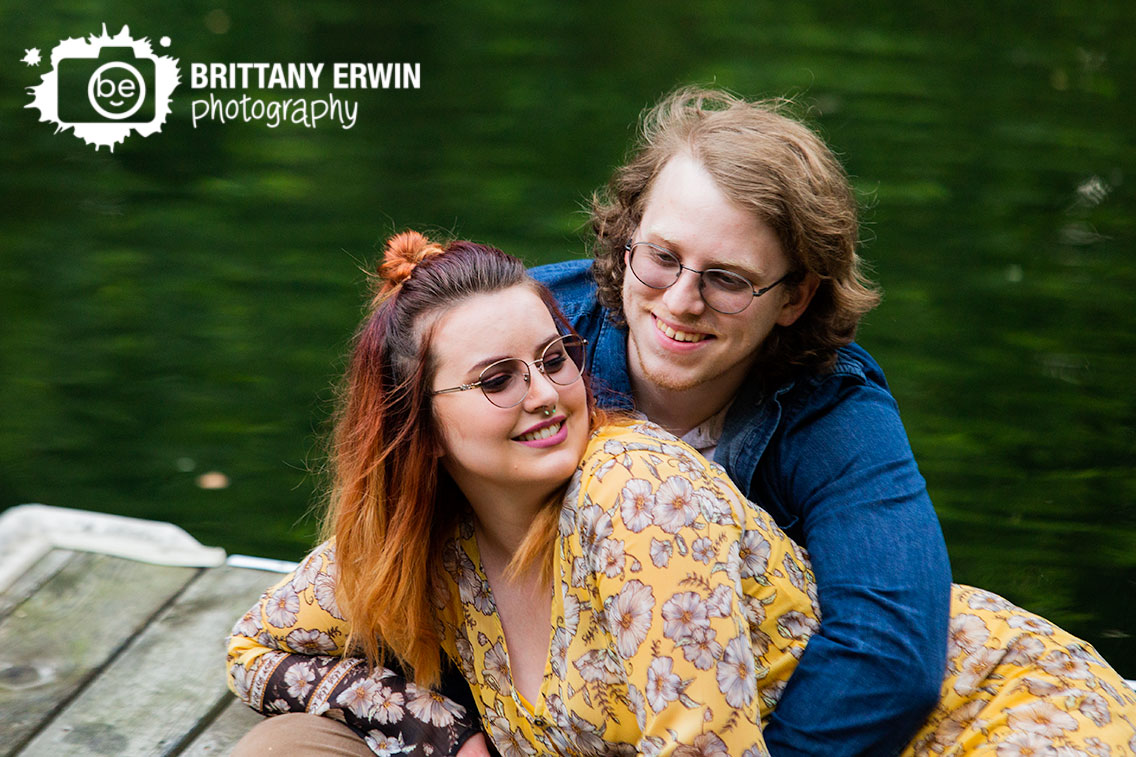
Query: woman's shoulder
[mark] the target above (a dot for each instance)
(639, 488)
(317, 570)
(629, 457)
(635, 440)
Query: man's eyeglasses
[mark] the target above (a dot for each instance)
(722, 290)
(506, 383)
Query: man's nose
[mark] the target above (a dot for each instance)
(685, 296)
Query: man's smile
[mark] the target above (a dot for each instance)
(679, 334)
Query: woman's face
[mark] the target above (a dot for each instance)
(525, 451)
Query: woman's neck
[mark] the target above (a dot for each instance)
(502, 518)
(499, 535)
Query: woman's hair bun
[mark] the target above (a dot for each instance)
(404, 251)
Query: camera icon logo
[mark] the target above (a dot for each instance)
(105, 88)
(116, 86)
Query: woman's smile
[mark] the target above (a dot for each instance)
(547, 434)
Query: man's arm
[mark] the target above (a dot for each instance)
(870, 676)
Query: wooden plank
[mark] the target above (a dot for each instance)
(36, 576)
(224, 732)
(167, 684)
(53, 642)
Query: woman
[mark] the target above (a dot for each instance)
(477, 493)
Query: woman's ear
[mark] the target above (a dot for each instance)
(797, 299)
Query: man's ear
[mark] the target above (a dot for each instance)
(798, 300)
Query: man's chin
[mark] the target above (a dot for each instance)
(668, 378)
(673, 384)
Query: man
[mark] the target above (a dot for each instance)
(722, 304)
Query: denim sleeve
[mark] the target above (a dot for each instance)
(844, 472)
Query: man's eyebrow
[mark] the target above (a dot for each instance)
(675, 248)
(661, 241)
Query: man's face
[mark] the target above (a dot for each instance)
(675, 341)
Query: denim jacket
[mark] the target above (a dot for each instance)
(828, 457)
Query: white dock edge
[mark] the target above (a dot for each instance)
(261, 563)
(27, 532)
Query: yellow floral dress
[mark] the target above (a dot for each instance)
(679, 611)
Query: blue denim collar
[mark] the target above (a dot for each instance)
(608, 367)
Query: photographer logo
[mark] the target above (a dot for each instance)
(104, 88)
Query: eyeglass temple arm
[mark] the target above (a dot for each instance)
(763, 290)
(462, 388)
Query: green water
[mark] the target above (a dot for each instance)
(182, 305)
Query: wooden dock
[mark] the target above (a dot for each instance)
(112, 636)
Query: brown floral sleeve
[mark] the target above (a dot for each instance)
(287, 655)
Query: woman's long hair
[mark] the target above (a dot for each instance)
(392, 506)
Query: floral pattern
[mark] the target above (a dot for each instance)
(286, 655)
(679, 612)
(1018, 685)
(658, 561)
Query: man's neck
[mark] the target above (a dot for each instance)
(678, 411)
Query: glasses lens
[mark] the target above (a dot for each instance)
(654, 266)
(506, 382)
(725, 291)
(563, 359)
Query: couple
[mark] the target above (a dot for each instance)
(479, 490)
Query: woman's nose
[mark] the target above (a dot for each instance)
(542, 391)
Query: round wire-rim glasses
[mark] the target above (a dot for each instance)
(506, 382)
(724, 291)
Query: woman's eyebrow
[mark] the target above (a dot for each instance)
(541, 345)
(483, 364)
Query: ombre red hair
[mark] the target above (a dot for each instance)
(392, 506)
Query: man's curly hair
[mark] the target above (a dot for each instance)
(772, 164)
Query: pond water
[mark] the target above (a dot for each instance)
(173, 315)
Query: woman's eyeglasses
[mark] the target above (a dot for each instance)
(506, 382)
